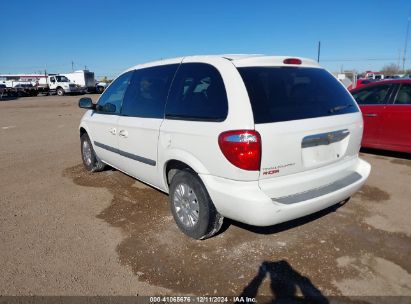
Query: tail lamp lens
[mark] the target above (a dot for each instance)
(242, 148)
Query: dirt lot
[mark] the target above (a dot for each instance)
(64, 231)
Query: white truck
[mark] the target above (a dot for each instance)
(83, 78)
(58, 84)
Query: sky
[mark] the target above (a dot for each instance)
(109, 36)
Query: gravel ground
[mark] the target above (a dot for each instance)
(64, 231)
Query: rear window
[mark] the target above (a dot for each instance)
(290, 93)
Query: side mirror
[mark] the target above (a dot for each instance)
(86, 103)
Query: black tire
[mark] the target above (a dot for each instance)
(60, 92)
(209, 220)
(100, 90)
(94, 164)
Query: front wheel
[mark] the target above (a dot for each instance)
(90, 160)
(192, 207)
(60, 92)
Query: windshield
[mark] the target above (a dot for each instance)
(291, 93)
(62, 79)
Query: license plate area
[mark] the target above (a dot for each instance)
(324, 148)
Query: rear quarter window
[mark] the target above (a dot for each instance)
(404, 95)
(197, 93)
(290, 93)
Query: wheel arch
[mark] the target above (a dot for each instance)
(175, 164)
(82, 131)
(179, 159)
(172, 167)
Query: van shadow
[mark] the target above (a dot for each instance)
(286, 284)
(286, 225)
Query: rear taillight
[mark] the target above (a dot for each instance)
(242, 148)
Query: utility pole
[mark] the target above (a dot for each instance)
(319, 51)
(406, 42)
(72, 66)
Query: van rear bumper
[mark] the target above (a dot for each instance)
(247, 203)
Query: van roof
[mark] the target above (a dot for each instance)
(238, 60)
(264, 60)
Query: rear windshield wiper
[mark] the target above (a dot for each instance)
(339, 108)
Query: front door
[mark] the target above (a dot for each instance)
(372, 101)
(102, 123)
(52, 83)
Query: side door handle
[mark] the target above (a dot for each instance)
(123, 133)
(112, 131)
(371, 115)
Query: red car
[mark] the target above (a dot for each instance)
(386, 109)
(362, 82)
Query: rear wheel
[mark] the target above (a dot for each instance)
(90, 160)
(192, 207)
(100, 89)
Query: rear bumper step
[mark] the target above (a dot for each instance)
(317, 192)
(246, 202)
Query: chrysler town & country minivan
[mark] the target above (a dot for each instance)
(257, 139)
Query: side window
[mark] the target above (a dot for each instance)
(148, 90)
(372, 95)
(197, 93)
(403, 95)
(110, 101)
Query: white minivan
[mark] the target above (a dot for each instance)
(257, 139)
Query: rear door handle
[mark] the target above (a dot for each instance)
(123, 133)
(371, 115)
(113, 131)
